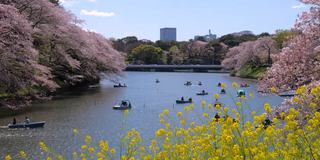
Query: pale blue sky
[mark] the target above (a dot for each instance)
(144, 18)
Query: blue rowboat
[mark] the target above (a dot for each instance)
(28, 125)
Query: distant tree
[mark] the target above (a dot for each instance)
(175, 56)
(264, 34)
(283, 36)
(255, 53)
(266, 47)
(232, 40)
(147, 54)
(200, 38)
(164, 45)
(220, 51)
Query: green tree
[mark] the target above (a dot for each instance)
(283, 36)
(233, 40)
(147, 54)
(220, 51)
(175, 56)
(165, 45)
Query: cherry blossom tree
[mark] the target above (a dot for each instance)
(299, 63)
(18, 67)
(75, 55)
(256, 53)
(43, 47)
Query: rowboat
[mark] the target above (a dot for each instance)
(119, 86)
(287, 94)
(28, 125)
(244, 85)
(202, 93)
(123, 105)
(241, 93)
(188, 83)
(183, 101)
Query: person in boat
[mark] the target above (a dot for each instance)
(219, 84)
(217, 117)
(203, 91)
(267, 122)
(124, 103)
(14, 121)
(223, 91)
(27, 120)
(182, 98)
(190, 99)
(241, 93)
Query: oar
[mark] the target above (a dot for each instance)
(3, 127)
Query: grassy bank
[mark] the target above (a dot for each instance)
(249, 71)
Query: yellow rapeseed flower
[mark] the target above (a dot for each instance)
(205, 115)
(235, 85)
(60, 157)
(43, 146)
(296, 100)
(75, 131)
(91, 150)
(183, 122)
(166, 112)
(8, 157)
(301, 90)
(218, 106)
(216, 96)
(142, 149)
(74, 155)
(313, 105)
(23, 154)
(84, 148)
(179, 114)
(113, 151)
(203, 103)
(160, 132)
(210, 106)
(267, 107)
(315, 91)
(126, 112)
(88, 139)
(226, 110)
(223, 85)
(273, 89)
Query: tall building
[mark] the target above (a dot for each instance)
(168, 34)
(207, 38)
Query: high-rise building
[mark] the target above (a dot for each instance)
(168, 34)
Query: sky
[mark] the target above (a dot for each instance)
(144, 18)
